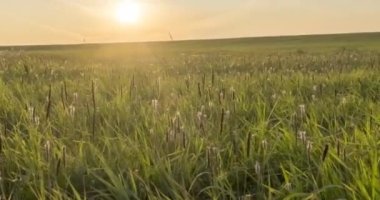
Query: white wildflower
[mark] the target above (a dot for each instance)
(72, 110)
(315, 88)
(288, 186)
(264, 144)
(31, 113)
(210, 104)
(47, 148)
(302, 136)
(199, 116)
(155, 104)
(344, 100)
(37, 120)
(75, 96)
(309, 146)
(302, 109)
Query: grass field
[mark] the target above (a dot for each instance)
(251, 118)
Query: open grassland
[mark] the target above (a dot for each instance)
(265, 118)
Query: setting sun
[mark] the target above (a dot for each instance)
(128, 12)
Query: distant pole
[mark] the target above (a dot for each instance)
(171, 36)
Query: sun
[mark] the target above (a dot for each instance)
(128, 12)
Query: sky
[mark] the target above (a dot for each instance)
(92, 21)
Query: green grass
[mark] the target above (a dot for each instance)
(260, 118)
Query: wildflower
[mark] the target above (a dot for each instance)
(302, 136)
(47, 149)
(315, 87)
(72, 110)
(309, 146)
(37, 120)
(155, 104)
(264, 144)
(75, 96)
(302, 109)
(210, 104)
(199, 116)
(31, 113)
(344, 100)
(288, 186)
(247, 197)
(313, 97)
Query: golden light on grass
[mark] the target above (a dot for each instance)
(128, 12)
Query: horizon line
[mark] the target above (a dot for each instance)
(185, 40)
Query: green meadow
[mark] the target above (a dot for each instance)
(295, 117)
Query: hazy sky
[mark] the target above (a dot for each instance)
(70, 21)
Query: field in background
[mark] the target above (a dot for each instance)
(253, 118)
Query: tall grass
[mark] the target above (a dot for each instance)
(288, 125)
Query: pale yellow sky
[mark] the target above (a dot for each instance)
(69, 21)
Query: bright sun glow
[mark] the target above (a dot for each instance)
(128, 12)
